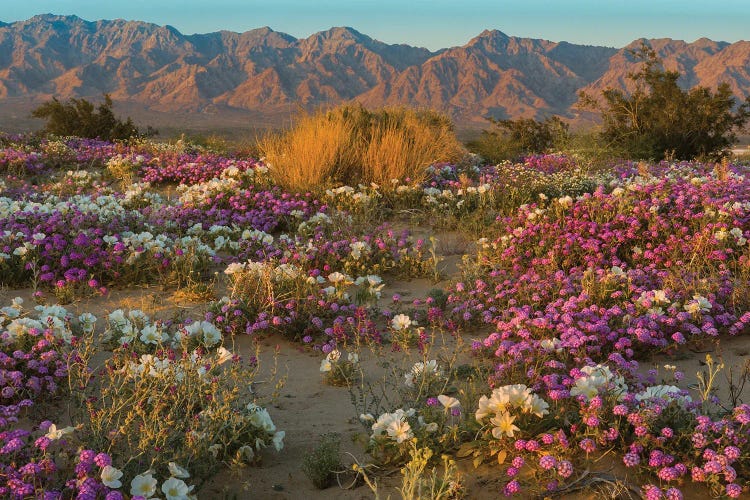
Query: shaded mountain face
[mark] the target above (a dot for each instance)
(268, 72)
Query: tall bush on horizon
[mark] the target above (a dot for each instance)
(660, 120)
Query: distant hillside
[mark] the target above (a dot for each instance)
(225, 78)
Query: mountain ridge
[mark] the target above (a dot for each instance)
(267, 72)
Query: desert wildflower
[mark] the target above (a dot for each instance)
(503, 425)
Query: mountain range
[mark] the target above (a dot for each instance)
(268, 75)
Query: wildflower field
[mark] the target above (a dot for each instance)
(176, 325)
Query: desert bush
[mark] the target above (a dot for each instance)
(660, 120)
(351, 144)
(320, 464)
(77, 117)
(403, 143)
(512, 139)
(169, 395)
(590, 150)
(316, 151)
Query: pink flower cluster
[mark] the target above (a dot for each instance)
(189, 168)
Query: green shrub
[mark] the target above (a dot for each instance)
(77, 117)
(319, 465)
(660, 120)
(512, 139)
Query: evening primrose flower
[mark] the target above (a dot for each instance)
(21, 251)
(143, 485)
(738, 236)
(401, 322)
(484, 410)
(386, 419)
(498, 401)
(699, 304)
(53, 310)
(374, 279)
(337, 277)
(175, 489)
(220, 242)
(565, 201)
(87, 321)
(262, 420)
(138, 316)
(664, 392)
(177, 471)
(553, 344)
(448, 402)
(14, 309)
(325, 365)
(596, 377)
(193, 329)
(211, 334)
(399, 431)
(20, 326)
(110, 477)
(517, 394)
(58, 327)
(234, 268)
(537, 406)
(657, 297)
(224, 355)
(418, 369)
(358, 248)
(117, 318)
(53, 433)
(151, 334)
(586, 386)
(330, 359)
(617, 271)
(503, 424)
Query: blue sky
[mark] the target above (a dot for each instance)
(429, 23)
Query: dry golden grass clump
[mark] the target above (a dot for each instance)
(351, 144)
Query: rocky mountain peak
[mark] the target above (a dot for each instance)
(264, 72)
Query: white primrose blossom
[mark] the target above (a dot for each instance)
(401, 322)
(597, 378)
(422, 369)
